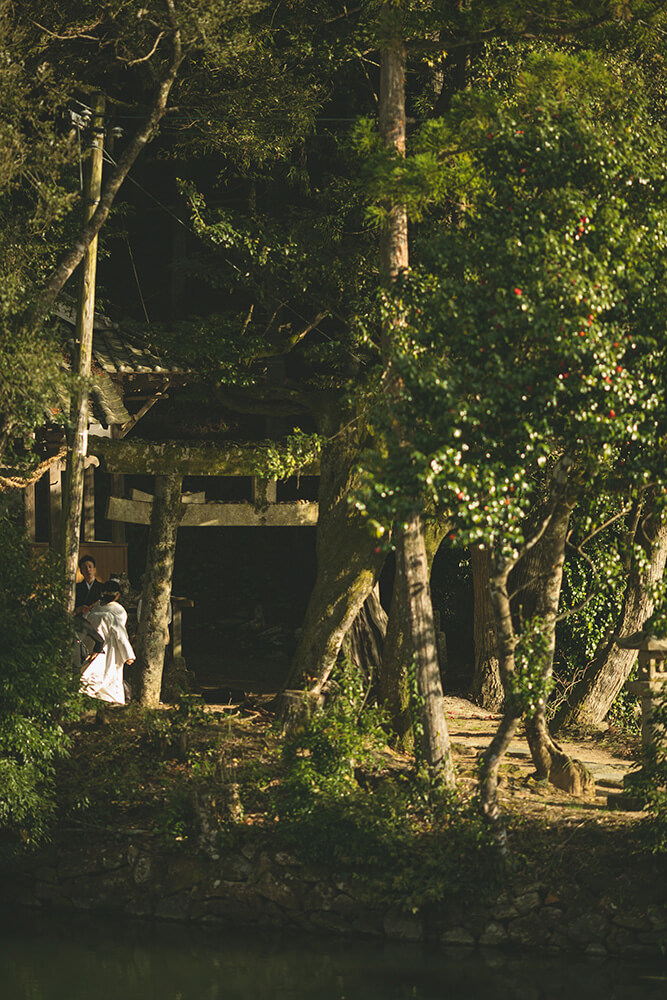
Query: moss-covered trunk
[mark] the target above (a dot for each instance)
(591, 697)
(398, 649)
(348, 558)
(412, 571)
(487, 686)
(156, 592)
(537, 582)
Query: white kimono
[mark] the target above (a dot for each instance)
(103, 677)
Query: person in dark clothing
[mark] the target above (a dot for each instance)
(89, 591)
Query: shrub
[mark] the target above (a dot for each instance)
(38, 692)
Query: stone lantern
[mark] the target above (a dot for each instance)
(651, 677)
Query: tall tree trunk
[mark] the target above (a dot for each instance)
(348, 558)
(538, 579)
(413, 572)
(398, 649)
(78, 434)
(412, 563)
(487, 686)
(591, 698)
(493, 755)
(156, 591)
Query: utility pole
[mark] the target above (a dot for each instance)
(81, 366)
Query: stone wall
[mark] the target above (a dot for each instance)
(257, 886)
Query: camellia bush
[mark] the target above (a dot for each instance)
(533, 325)
(527, 362)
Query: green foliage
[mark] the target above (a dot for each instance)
(321, 756)
(37, 690)
(532, 682)
(414, 843)
(650, 783)
(534, 326)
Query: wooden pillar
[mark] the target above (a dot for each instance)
(264, 491)
(117, 490)
(89, 504)
(29, 507)
(55, 501)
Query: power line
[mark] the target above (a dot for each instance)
(109, 159)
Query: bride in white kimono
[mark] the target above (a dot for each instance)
(103, 677)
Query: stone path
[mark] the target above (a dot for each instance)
(472, 728)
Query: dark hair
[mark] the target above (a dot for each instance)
(110, 592)
(85, 559)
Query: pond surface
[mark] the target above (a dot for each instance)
(91, 959)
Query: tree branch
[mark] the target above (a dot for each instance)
(63, 270)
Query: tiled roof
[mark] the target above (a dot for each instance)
(118, 352)
(106, 401)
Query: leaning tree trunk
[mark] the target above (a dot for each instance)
(591, 698)
(398, 651)
(349, 560)
(156, 593)
(544, 574)
(487, 685)
(494, 753)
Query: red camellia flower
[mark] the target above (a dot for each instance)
(517, 291)
(612, 413)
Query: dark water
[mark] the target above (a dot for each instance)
(76, 959)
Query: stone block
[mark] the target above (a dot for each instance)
(401, 926)
(184, 872)
(588, 928)
(139, 906)
(631, 922)
(494, 934)
(236, 868)
(326, 920)
(278, 891)
(458, 936)
(320, 897)
(526, 931)
(143, 870)
(527, 902)
(287, 860)
(176, 907)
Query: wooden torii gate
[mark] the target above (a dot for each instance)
(141, 457)
(167, 510)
